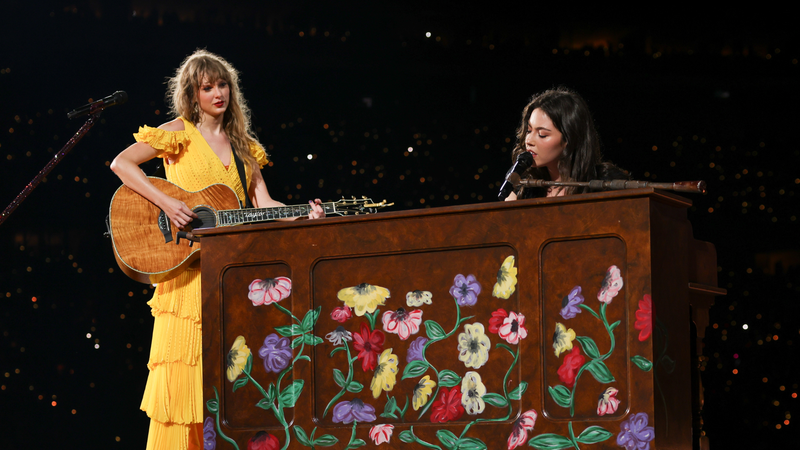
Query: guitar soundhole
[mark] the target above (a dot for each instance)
(206, 218)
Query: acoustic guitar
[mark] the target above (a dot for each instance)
(149, 250)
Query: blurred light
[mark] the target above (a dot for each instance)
(744, 327)
(428, 34)
(309, 157)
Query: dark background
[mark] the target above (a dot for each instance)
(679, 95)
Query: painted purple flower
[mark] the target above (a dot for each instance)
(635, 434)
(569, 306)
(415, 349)
(354, 410)
(209, 435)
(276, 353)
(465, 290)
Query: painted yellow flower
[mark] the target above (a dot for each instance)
(423, 391)
(472, 392)
(385, 374)
(562, 339)
(364, 298)
(237, 358)
(473, 346)
(506, 279)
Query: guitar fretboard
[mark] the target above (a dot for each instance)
(240, 216)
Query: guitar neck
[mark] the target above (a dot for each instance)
(230, 217)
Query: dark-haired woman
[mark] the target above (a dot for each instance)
(558, 130)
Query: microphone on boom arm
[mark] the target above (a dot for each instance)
(117, 98)
(524, 161)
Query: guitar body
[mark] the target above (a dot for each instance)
(145, 240)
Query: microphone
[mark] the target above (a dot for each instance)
(117, 98)
(524, 161)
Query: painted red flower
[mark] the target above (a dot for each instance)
(341, 313)
(497, 320)
(381, 433)
(569, 369)
(263, 441)
(447, 406)
(369, 345)
(519, 434)
(513, 329)
(644, 318)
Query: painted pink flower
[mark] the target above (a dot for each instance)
(519, 434)
(402, 323)
(381, 433)
(513, 328)
(341, 313)
(270, 290)
(569, 368)
(612, 283)
(644, 318)
(608, 403)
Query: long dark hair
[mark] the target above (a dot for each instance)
(581, 159)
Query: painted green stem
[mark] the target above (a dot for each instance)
(425, 357)
(572, 436)
(421, 442)
(347, 381)
(219, 430)
(603, 318)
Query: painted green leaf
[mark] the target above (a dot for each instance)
(516, 394)
(310, 339)
(589, 347)
(415, 369)
(338, 377)
(240, 382)
(248, 367)
(212, 406)
(434, 330)
(272, 391)
(642, 363)
(447, 438)
(614, 325)
(600, 371)
(593, 435)
(495, 399)
(357, 443)
(550, 441)
(297, 341)
(290, 395)
(407, 436)
(310, 319)
(448, 378)
(561, 395)
(326, 440)
(471, 444)
(303, 358)
(355, 387)
(391, 404)
(290, 330)
(301, 435)
(264, 404)
(337, 349)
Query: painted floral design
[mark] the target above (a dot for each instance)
(608, 403)
(473, 346)
(263, 441)
(209, 435)
(237, 358)
(369, 345)
(341, 313)
(339, 335)
(415, 349)
(570, 305)
(644, 318)
(506, 279)
(511, 329)
(269, 290)
(418, 298)
(562, 339)
(364, 298)
(381, 433)
(612, 283)
(569, 368)
(276, 353)
(354, 410)
(465, 290)
(496, 321)
(422, 391)
(385, 375)
(635, 434)
(402, 323)
(472, 392)
(519, 434)
(447, 406)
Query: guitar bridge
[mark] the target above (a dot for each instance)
(163, 226)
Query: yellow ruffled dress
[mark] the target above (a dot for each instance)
(173, 397)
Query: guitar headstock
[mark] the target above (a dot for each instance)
(355, 206)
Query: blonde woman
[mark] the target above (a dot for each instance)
(212, 121)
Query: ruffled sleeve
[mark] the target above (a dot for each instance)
(259, 154)
(166, 142)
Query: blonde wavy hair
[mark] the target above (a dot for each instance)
(182, 97)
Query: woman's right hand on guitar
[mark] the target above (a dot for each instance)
(177, 211)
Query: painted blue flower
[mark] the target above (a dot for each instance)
(209, 435)
(465, 290)
(354, 410)
(276, 353)
(635, 434)
(415, 349)
(569, 306)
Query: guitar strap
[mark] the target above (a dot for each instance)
(242, 178)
